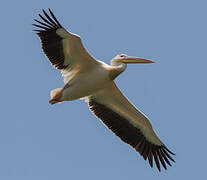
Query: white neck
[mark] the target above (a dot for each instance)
(116, 69)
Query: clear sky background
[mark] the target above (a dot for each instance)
(66, 141)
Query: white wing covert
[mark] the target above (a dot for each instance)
(129, 124)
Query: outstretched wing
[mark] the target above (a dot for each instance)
(63, 49)
(129, 124)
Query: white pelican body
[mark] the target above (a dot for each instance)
(85, 77)
(82, 85)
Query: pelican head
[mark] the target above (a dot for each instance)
(119, 63)
(123, 58)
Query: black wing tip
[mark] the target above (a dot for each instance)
(48, 23)
(169, 150)
(164, 156)
(159, 154)
(53, 16)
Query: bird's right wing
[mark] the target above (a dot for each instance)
(129, 124)
(64, 49)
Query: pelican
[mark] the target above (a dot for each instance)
(86, 77)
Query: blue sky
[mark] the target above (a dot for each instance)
(66, 141)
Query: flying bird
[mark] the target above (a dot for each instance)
(86, 77)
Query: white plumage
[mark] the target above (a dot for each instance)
(86, 77)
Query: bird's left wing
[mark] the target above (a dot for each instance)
(129, 124)
(64, 49)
